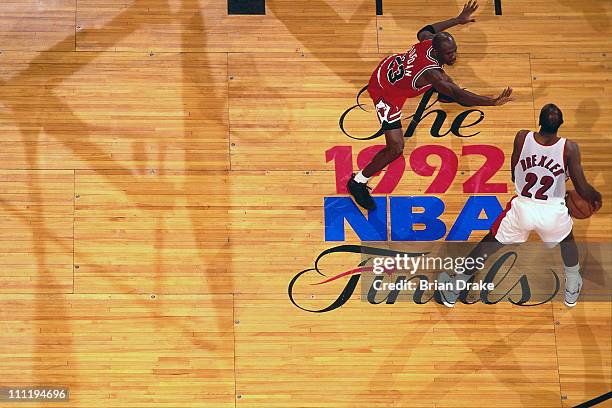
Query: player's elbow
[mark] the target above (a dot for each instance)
(426, 33)
(465, 100)
(459, 96)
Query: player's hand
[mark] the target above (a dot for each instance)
(595, 200)
(504, 97)
(466, 14)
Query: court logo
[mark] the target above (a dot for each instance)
(417, 219)
(420, 288)
(466, 119)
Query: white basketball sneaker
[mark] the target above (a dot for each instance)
(572, 290)
(449, 297)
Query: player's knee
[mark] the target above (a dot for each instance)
(569, 238)
(396, 149)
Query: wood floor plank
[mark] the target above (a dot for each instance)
(152, 233)
(399, 355)
(121, 350)
(203, 25)
(36, 239)
(114, 110)
(583, 345)
(30, 25)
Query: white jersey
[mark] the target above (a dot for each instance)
(540, 202)
(540, 173)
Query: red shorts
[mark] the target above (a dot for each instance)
(388, 105)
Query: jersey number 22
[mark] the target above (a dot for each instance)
(530, 179)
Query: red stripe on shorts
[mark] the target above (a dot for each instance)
(499, 219)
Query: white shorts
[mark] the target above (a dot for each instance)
(522, 215)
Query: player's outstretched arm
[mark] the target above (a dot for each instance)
(445, 85)
(463, 18)
(576, 173)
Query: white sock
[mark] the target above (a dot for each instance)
(572, 277)
(360, 178)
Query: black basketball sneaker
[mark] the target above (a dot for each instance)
(361, 193)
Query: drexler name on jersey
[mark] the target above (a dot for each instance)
(542, 161)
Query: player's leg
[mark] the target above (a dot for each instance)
(573, 280)
(555, 227)
(394, 148)
(484, 249)
(358, 186)
(487, 246)
(511, 226)
(389, 115)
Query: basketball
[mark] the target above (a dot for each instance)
(578, 207)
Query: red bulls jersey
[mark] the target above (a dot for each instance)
(396, 75)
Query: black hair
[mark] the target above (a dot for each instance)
(442, 38)
(551, 118)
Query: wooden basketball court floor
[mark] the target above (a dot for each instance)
(162, 174)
